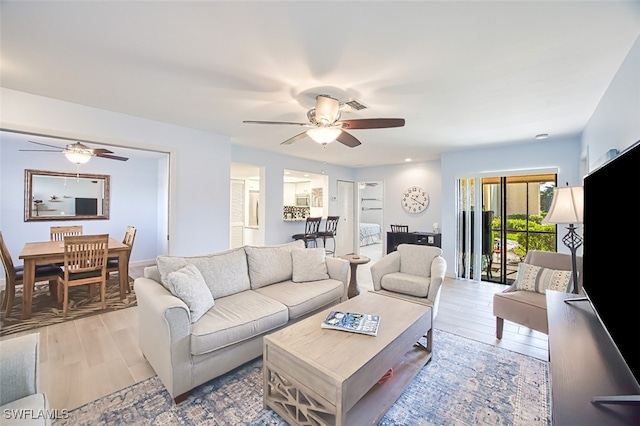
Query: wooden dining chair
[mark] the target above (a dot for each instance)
(85, 262)
(57, 233)
(399, 228)
(112, 262)
(14, 273)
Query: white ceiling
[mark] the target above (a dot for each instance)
(462, 74)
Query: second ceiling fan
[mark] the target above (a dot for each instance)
(326, 126)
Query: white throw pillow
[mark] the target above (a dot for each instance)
(309, 265)
(188, 285)
(539, 279)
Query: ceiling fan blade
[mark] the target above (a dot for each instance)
(294, 139)
(348, 140)
(111, 157)
(97, 151)
(372, 123)
(41, 150)
(275, 122)
(44, 144)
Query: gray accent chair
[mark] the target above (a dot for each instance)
(529, 308)
(20, 382)
(412, 272)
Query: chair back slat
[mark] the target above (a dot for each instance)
(85, 253)
(57, 233)
(331, 224)
(312, 225)
(129, 236)
(399, 228)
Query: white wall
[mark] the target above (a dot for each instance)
(278, 231)
(561, 155)
(616, 121)
(199, 164)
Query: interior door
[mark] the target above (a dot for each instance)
(344, 233)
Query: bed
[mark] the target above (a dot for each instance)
(370, 233)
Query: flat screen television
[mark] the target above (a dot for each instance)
(611, 251)
(86, 206)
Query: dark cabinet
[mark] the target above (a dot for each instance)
(421, 238)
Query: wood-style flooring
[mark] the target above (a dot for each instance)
(85, 359)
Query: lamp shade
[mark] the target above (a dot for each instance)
(567, 206)
(324, 135)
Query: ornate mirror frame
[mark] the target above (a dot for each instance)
(75, 193)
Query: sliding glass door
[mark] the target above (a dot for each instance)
(508, 226)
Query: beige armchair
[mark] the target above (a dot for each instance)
(21, 402)
(413, 272)
(529, 308)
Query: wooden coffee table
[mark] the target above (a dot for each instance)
(319, 376)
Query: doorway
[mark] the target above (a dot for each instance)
(345, 207)
(370, 219)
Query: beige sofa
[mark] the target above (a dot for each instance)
(253, 290)
(21, 401)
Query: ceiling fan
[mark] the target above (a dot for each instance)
(78, 153)
(326, 126)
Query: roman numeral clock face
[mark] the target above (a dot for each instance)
(415, 199)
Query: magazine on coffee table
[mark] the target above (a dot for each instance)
(352, 321)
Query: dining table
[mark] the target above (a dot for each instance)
(46, 252)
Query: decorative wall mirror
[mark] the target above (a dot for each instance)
(50, 196)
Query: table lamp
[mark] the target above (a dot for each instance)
(567, 207)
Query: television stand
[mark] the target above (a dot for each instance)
(590, 382)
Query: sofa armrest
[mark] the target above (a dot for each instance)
(386, 265)
(338, 269)
(165, 334)
(438, 271)
(19, 367)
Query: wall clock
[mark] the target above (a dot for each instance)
(415, 199)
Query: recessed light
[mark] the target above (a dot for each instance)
(542, 136)
(407, 159)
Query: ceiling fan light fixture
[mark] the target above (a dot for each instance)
(77, 156)
(324, 135)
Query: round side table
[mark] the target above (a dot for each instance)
(354, 260)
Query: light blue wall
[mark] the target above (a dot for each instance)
(616, 121)
(134, 197)
(558, 156)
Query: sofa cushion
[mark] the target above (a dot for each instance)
(268, 265)
(309, 265)
(35, 404)
(417, 260)
(236, 318)
(302, 298)
(225, 273)
(410, 284)
(188, 285)
(539, 279)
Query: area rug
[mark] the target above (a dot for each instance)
(466, 383)
(46, 311)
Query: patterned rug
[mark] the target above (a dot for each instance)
(46, 311)
(465, 383)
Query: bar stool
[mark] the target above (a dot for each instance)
(330, 230)
(310, 232)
